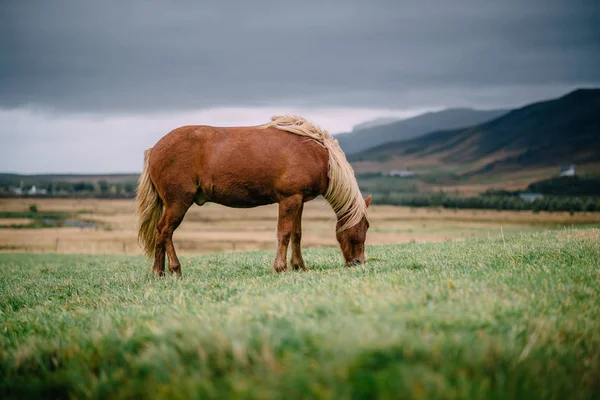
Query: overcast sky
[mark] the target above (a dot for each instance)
(86, 86)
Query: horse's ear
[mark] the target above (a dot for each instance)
(368, 200)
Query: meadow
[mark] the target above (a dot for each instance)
(498, 318)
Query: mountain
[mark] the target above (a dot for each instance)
(373, 123)
(362, 139)
(550, 133)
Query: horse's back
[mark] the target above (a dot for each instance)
(240, 166)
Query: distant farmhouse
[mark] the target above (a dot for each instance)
(33, 191)
(403, 173)
(567, 171)
(531, 196)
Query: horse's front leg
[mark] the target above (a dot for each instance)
(288, 210)
(297, 261)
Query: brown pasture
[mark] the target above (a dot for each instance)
(214, 228)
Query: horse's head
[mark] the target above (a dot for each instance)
(352, 240)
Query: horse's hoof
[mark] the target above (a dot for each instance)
(279, 268)
(176, 272)
(355, 263)
(300, 267)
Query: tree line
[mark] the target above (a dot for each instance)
(494, 202)
(100, 189)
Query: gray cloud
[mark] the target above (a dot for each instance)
(142, 55)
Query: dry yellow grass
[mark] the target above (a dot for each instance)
(15, 221)
(214, 228)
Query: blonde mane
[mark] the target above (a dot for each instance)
(342, 193)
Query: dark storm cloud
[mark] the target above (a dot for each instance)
(150, 55)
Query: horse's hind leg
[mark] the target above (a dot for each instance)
(174, 212)
(159, 251)
(296, 261)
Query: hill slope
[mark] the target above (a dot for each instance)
(549, 133)
(373, 123)
(364, 138)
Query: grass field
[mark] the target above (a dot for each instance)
(508, 318)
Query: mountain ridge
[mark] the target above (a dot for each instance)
(563, 130)
(450, 118)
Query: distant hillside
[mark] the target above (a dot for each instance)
(550, 133)
(373, 123)
(367, 137)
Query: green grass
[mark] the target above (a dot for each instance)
(48, 219)
(45, 219)
(32, 215)
(388, 184)
(500, 319)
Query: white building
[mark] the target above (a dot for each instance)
(402, 173)
(567, 171)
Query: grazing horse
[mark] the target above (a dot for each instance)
(288, 161)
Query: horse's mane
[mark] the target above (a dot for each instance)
(342, 193)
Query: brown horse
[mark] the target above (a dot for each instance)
(287, 161)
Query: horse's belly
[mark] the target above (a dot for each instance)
(238, 196)
(242, 202)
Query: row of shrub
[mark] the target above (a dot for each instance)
(570, 204)
(568, 186)
(100, 189)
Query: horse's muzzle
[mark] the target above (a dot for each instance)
(355, 262)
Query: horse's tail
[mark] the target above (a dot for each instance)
(149, 209)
